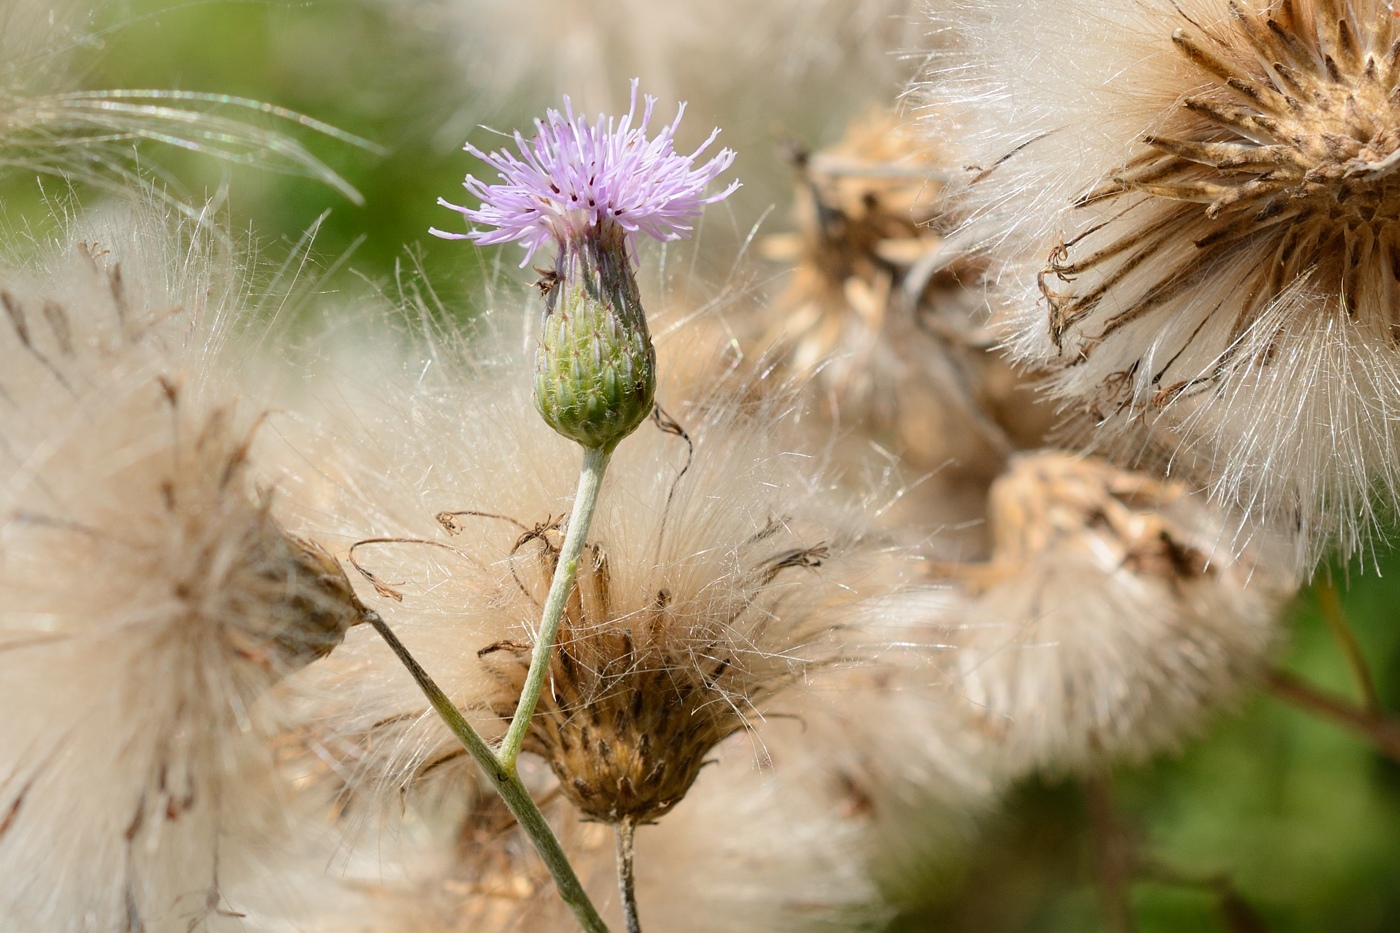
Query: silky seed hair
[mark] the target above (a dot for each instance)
(1110, 623)
(52, 126)
(781, 41)
(759, 847)
(1204, 218)
(151, 597)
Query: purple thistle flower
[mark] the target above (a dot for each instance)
(575, 176)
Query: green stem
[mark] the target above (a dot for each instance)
(590, 481)
(506, 781)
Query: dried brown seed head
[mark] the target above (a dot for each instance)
(1200, 216)
(1049, 502)
(639, 696)
(1282, 153)
(151, 597)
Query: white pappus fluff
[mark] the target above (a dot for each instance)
(787, 44)
(150, 596)
(751, 851)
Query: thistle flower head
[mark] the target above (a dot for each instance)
(595, 370)
(589, 187)
(574, 176)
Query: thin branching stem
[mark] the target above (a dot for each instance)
(507, 782)
(1329, 603)
(590, 481)
(626, 872)
(1236, 913)
(1380, 730)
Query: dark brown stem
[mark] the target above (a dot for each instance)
(1329, 603)
(1380, 730)
(1113, 855)
(626, 873)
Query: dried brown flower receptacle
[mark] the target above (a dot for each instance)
(883, 315)
(872, 268)
(639, 696)
(1291, 142)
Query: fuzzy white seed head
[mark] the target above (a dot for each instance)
(1111, 621)
(150, 597)
(1203, 210)
(882, 320)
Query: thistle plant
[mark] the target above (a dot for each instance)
(588, 188)
(825, 615)
(704, 601)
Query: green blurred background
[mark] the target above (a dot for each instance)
(1296, 818)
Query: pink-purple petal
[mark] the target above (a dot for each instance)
(603, 171)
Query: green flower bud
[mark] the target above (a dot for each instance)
(595, 371)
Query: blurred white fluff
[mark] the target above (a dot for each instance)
(150, 598)
(1196, 205)
(1109, 625)
(772, 849)
(730, 560)
(751, 850)
(793, 49)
